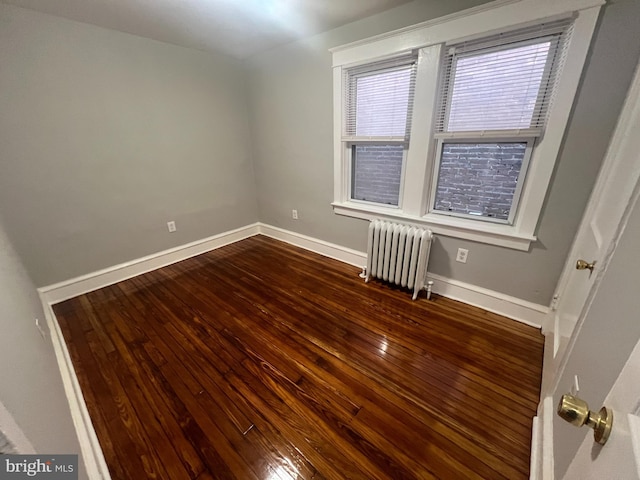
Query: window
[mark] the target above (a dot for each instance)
(493, 104)
(457, 123)
(480, 179)
(379, 98)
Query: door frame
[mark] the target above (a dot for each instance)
(621, 160)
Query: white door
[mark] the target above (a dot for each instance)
(616, 182)
(619, 458)
(603, 356)
(597, 314)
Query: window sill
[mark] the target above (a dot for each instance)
(493, 234)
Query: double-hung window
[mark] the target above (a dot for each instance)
(493, 104)
(379, 99)
(457, 124)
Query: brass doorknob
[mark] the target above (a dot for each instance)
(576, 412)
(584, 265)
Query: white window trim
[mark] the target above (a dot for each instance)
(428, 38)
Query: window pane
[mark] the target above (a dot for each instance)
(479, 178)
(498, 90)
(376, 173)
(382, 102)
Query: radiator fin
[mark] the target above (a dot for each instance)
(398, 254)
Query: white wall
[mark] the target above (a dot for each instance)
(291, 122)
(106, 136)
(30, 384)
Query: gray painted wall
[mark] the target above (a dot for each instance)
(104, 137)
(30, 384)
(291, 122)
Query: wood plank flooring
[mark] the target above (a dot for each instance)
(260, 360)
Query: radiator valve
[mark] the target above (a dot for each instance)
(429, 288)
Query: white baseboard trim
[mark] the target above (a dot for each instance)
(92, 455)
(535, 460)
(90, 447)
(541, 467)
(327, 249)
(517, 309)
(546, 438)
(526, 312)
(61, 291)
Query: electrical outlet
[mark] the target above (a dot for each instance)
(463, 253)
(40, 329)
(294, 214)
(171, 226)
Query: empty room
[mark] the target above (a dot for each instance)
(278, 239)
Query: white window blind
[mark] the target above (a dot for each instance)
(379, 100)
(502, 83)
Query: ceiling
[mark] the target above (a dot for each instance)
(239, 28)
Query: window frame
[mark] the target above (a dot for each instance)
(513, 135)
(430, 39)
(350, 161)
(351, 140)
(553, 51)
(522, 176)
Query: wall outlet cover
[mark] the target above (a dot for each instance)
(462, 255)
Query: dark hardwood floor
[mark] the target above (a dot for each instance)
(260, 360)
